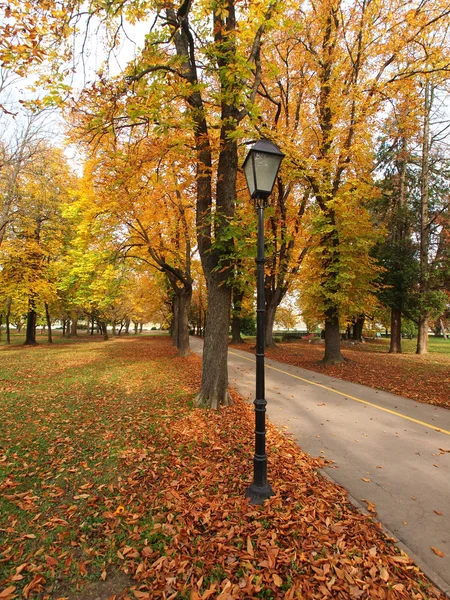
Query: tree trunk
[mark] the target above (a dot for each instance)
(396, 331)
(92, 325)
(7, 318)
(30, 339)
(49, 324)
(273, 300)
(333, 354)
(103, 329)
(444, 333)
(358, 328)
(214, 388)
(422, 337)
(236, 312)
(127, 326)
(183, 322)
(175, 320)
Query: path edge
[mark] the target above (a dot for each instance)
(435, 579)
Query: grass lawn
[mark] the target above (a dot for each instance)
(114, 486)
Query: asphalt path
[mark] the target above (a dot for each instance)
(389, 451)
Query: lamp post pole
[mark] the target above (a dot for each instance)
(260, 489)
(261, 168)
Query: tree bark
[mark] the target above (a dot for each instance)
(358, 328)
(49, 324)
(7, 318)
(30, 338)
(422, 337)
(175, 320)
(183, 322)
(236, 312)
(333, 354)
(214, 388)
(396, 331)
(74, 327)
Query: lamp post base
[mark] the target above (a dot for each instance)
(258, 494)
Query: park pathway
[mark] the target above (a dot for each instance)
(386, 450)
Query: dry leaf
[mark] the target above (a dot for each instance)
(437, 551)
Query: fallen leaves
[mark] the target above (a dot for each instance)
(154, 488)
(424, 379)
(437, 551)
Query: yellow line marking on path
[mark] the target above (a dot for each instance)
(388, 410)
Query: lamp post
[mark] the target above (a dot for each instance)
(261, 167)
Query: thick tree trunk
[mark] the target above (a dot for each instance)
(49, 324)
(214, 388)
(333, 354)
(30, 339)
(358, 328)
(127, 326)
(396, 331)
(422, 337)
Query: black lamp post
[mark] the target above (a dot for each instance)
(261, 169)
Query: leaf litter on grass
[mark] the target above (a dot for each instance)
(421, 378)
(114, 470)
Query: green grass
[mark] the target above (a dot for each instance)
(435, 345)
(69, 414)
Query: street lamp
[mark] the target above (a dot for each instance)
(261, 167)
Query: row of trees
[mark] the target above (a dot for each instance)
(360, 212)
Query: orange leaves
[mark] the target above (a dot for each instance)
(163, 498)
(437, 551)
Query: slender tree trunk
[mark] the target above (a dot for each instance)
(333, 354)
(92, 325)
(49, 324)
(175, 320)
(127, 326)
(135, 324)
(396, 331)
(103, 329)
(7, 318)
(30, 339)
(183, 322)
(214, 389)
(422, 337)
(444, 333)
(236, 312)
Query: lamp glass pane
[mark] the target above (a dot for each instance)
(249, 175)
(266, 166)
